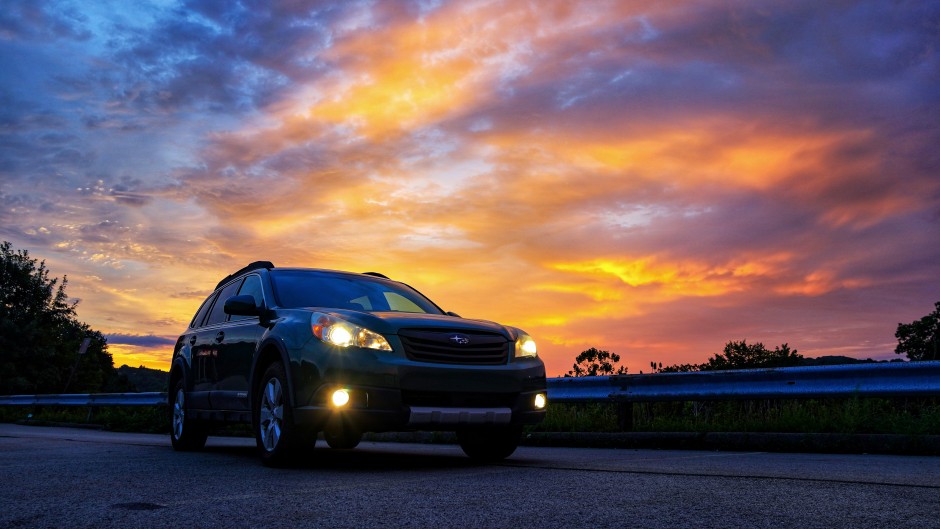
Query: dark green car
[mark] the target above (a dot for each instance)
(296, 352)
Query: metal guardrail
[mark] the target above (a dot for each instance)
(895, 379)
(86, 399)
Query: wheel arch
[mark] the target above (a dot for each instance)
(270, 351)
(178, 371)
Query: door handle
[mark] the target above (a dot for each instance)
(192, 340)
(219, 337)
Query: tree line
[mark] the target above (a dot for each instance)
(40, 335)
(918, 340)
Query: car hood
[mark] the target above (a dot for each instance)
(392, 322)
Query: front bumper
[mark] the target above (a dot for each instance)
(390, 393)
(374, 409)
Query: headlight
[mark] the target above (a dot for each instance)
(341, 333)
(525, 345)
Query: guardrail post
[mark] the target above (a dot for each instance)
(625, 416)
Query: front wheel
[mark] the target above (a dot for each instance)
(279, 441)
(489, 444)
(186, 433)
(344, 439)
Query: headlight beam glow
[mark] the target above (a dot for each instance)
(525, 346)
(341, 333)
(540, 401)
(340, 398)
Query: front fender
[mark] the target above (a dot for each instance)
(269, 350)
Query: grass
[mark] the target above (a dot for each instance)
(145, 419)
(846, 416)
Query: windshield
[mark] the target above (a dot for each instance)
(309, 288)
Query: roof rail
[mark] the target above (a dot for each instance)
(253, 266)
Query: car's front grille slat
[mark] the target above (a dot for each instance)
(459, 357)
(455, 346)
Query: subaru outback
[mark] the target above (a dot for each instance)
(299, 352)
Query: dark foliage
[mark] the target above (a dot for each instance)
(920, 340)
(40, 336)
(145, 379)
(594, 362)
(676, 368)
(740, 355)
(836, 360)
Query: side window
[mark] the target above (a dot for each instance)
(251, 287)
(201, 314)
(217, 314)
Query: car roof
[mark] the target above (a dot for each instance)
(268, 265)
(252, 266)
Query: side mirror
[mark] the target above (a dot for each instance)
(454, 314)
(241, 306)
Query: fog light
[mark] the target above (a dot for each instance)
(540, 401)
(340, 398)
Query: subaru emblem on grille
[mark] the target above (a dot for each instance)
(459, 339)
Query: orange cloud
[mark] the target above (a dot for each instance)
(404, 76)
(680, 278)
(819, 283)
(703, 151)
(582, 170)
(134, 356)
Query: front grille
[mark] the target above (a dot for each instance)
(443, 399)
(455, 347)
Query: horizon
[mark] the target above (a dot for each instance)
(651, 180)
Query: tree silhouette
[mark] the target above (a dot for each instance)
(40, 335)
(919, 339)
(594, 362)
(741, 355)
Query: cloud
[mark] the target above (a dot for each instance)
(651, 179)
(42, 21)
(139, 340)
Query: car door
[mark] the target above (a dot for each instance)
(206, 344)
(241, 335)
(199, 391)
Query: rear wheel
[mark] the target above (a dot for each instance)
(278, 439)
(186, 433)
(489, 444)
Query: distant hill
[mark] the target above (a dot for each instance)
(145, 379)
(838, 360)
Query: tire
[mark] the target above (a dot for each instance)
(186, 433)
(278, 439)
(343, 440)
(489, 445)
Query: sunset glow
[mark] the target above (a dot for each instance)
(650, 179)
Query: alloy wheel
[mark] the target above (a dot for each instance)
(179, 413)
(271, 414)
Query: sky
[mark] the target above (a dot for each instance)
(655, 179)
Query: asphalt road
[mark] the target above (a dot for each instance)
(59, 477)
